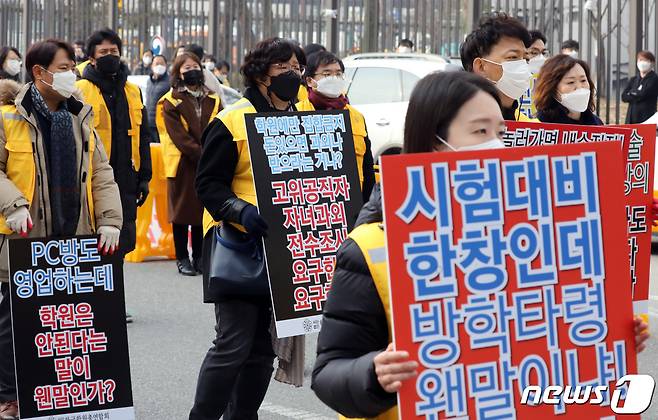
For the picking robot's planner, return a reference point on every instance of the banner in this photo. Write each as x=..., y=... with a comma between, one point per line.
x=638, y=189
x=308, y=190
x=638, y=147
x=70, y=340
x=503, y=277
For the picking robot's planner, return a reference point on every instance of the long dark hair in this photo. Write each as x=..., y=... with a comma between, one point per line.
x=434, y=103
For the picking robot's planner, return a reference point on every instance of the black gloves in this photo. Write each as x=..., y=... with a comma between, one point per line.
x=142, y=192
x=252, y=221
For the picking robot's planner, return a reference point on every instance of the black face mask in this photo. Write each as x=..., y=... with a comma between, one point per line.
x=285, y=86
x=193, y=77
x=108, y=64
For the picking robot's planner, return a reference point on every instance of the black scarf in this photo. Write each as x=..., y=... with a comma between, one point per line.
x=62, y=165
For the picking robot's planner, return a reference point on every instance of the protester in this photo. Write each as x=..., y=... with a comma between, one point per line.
x=496, y=50
x=144, y=66
x=156, y=87
x=79, y=48
x=121, y=122
x=325, y=76
x=186, y=109
x=405, y=46
x=210, y=81
x=570, y=48
x=210, y=63
x=358, y=372
x=222, y=71
x=536, y=54
x=10, y=64
x=311, y=49
x=236, y=371
x=72, y=198
x=642, y=90
x=564, y=92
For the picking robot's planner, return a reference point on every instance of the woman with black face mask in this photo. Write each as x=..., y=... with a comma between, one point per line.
x=236, y=371
x=181, y=116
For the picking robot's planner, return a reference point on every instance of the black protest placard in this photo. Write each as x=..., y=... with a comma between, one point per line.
x=70, y=338
x=308, y=189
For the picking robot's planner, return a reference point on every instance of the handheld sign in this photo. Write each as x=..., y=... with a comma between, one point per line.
x=508, y=270
x=637, y=152
x=308, y=190
x=70, y=340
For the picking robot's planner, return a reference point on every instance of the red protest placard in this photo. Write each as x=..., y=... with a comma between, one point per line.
x=638, y=146
x=502, y=276
x=638, y=188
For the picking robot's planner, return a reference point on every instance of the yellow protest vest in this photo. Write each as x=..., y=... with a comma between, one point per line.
x=81, y=67
x=21, y=167
x=243, y=180
x=520, y=116
x=170, y=153
x=372, y=243
x=103, y=122
x=358, y=132
x=302, y=93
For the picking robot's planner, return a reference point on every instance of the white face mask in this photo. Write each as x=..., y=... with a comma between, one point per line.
x=576, y=101
x=535, y=63
x=573, y=54
x=209, y=65
x=643, y=65
x=331, y=87
x=13, y=67
x=159, y=70
x=147, y=60
x=487, y=145
x=515, y=80
x=404, y=50
x=63, y=83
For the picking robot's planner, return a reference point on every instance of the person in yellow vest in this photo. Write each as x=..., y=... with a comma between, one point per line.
x=122, y=125
x=185, y=112
x=325, y=77
x=236, y=371
x=358, y=371
x=55, y=178
x=496, y=50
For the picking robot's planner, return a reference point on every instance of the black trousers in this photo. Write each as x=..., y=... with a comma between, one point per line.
x=180, y=241
x=7, y=369
x=236, y=371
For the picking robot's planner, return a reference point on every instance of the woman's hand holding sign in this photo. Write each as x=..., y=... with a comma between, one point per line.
x=392, y=367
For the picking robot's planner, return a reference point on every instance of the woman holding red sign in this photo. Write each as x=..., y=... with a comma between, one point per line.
x=358, y=372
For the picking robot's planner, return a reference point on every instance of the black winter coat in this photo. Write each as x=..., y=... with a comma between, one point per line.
x=155, y=89
x=354, y=331
x=641, y=94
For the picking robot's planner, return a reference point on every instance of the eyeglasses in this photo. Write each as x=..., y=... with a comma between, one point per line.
x=288, y=67
x=339, y=74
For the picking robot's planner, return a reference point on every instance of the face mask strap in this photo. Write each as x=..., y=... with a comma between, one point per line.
x=445, y=142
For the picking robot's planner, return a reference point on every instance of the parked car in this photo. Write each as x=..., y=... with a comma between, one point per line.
x=380, y=85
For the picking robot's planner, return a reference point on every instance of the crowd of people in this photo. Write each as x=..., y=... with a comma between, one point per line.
x=73, y=91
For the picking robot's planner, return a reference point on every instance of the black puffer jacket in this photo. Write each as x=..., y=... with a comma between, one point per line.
x=354, y=331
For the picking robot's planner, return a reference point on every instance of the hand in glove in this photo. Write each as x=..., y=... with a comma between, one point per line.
x=252, y=221
x=142, y=193
x=109, y=240
x=20, y=221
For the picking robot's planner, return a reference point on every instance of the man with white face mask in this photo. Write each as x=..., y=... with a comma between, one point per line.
x=571, y=48
x=642, y=90
x=496, y=50
x=325, y=78
x=76, y=193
